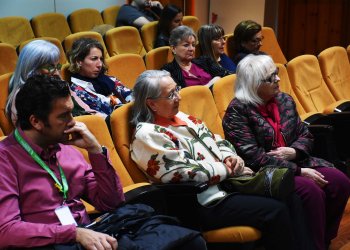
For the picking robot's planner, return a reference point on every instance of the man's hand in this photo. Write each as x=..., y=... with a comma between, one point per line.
x=284, y=153
x=314, y=175
x=92, y=240
x=83, y=138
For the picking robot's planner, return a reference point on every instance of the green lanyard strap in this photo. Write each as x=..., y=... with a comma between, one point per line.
x=63, y=188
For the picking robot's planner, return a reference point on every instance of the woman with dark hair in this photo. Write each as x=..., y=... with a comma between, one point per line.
x=170, y=18
x=100, y=92
x=247, y=39
x=212, y=43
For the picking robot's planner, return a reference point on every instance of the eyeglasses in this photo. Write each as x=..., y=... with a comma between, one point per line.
x=272, y=78
x=52, y=68
x=172, y=95
x=257, y=40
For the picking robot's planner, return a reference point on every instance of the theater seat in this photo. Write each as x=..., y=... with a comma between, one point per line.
x=110, y=14
x=223, y=93
x=14, y=30
x=192, y=22
x=126, y=67
x=69, y=40
x=156, y=58
x=335, y=68
x=121, y=135
x=198, y=101
x=51, y=25
x=8, y=58
x=271, y=47
x=84, y=19
x=124, y=40
x=5, y=123
x=149, y=34
x=311, y=90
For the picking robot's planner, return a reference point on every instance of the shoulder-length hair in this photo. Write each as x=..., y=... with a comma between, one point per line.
x=251, y=71
x=32, y=57
x=81, y=49
x=147, y=86
x=168, y=14
x=244, y=32
x=206, y=34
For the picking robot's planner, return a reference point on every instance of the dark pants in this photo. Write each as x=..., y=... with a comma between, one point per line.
x=324, y=206
x=270, y=216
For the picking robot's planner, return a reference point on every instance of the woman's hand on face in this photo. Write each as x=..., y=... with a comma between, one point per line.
x=314, y=175
x=284, y=153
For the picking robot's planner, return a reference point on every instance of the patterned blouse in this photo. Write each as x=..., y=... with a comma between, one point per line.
x=180, y=152
x=86, y=92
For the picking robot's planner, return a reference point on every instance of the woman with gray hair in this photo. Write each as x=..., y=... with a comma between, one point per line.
x=185, y=69
x=38, y=57
x=264, y=126
x=167, y=148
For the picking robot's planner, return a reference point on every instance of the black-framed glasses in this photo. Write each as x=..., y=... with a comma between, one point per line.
x=52, y=68
x=172, y=95
x=273, y=77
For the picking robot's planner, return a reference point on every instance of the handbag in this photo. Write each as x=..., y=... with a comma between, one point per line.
x=269, y=181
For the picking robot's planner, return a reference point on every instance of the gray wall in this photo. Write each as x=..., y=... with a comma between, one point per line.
x=31, y=8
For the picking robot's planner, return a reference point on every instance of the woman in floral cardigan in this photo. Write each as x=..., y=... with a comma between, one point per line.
x=170, y=146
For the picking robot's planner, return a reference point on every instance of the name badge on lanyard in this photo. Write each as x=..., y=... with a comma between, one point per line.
x=65, y=216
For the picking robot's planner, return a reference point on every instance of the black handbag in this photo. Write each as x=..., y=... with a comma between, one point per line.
x=269, y=181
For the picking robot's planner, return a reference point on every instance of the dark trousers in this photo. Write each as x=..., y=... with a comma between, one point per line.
x=270, y=216
x=324, y=206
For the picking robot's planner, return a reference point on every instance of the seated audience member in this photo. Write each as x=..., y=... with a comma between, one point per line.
x=138, y=13
x=187, y=70
x=170, y=18
x=100, y=92
x=43, y=178
x=38, y=57
x=247, y=39
x=264, y=126
x=212, y=44
x=166, y=148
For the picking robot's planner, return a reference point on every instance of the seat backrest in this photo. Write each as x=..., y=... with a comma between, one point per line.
x=5, y=123
x=51, y=25
x=286, y=87
x=8, y=58
x=192, y=22
x=126, y=67
x=2, y=135
x=53, y=40
x=98, y=128
x=124, y=40
x=335, y=68
x=229, y=45
x=271, y=46
x=223, y=93
x=348, y=51
x=84, y=19
x=306, y=79
x=69, y=40
x=14, y=30
x=148, y=34
x=65, y=73
x=110, y=14
x=199, y=102
x=156, y=58
x=121, y=135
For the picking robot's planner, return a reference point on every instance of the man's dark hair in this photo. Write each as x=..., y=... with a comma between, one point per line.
x=36, y=97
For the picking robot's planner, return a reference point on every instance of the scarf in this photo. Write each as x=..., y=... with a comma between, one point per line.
x=271, y=114
x=102, y=84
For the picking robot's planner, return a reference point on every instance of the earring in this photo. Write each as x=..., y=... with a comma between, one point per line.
x=174, y=52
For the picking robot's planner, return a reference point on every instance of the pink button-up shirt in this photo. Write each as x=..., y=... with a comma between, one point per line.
x=28, y=196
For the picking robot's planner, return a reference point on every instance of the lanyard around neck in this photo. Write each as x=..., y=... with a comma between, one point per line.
x=63, y=188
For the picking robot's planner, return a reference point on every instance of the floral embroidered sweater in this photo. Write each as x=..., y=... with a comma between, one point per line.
x=174, y=153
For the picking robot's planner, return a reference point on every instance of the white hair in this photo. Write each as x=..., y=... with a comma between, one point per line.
x=251, y=71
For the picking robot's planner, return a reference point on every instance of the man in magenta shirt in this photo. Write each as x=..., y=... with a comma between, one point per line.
x=43, y=178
